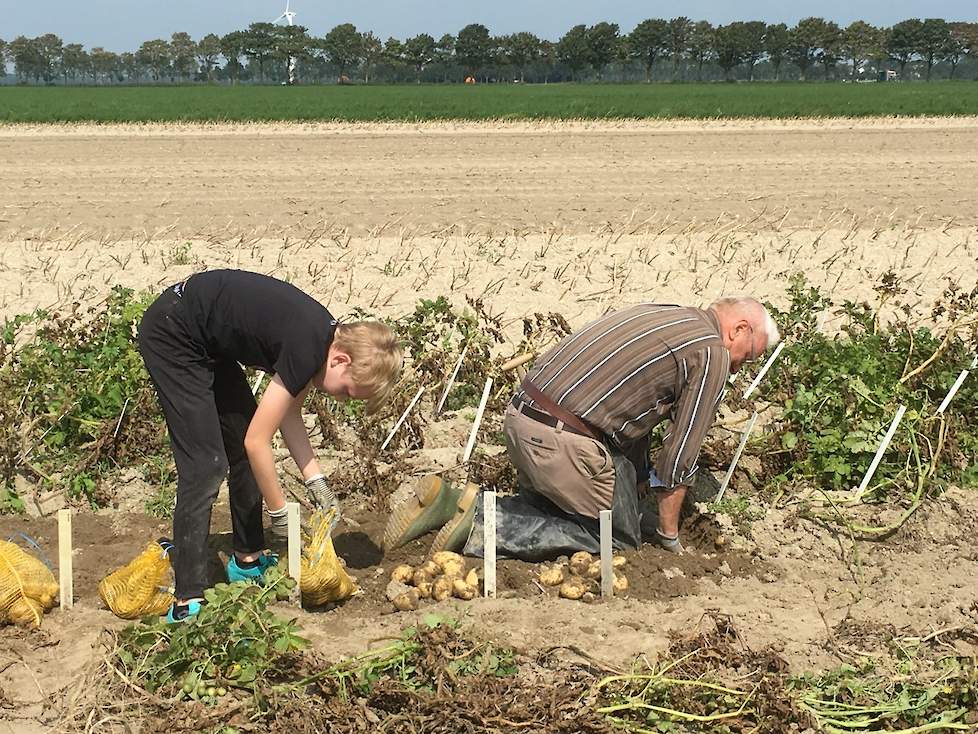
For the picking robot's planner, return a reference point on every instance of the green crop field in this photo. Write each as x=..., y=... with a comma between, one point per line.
x=485, y=102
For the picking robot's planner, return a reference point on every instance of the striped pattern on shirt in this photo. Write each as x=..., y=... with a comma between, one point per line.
x=632, y=369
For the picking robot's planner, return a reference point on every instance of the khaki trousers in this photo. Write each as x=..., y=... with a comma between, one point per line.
x=574, y=472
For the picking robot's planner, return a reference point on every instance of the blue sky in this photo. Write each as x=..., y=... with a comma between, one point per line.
x=121, y=25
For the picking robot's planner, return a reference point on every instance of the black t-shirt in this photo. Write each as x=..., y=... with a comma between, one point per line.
x=260, y=322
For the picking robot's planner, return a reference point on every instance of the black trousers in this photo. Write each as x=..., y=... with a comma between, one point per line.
x=208, y=406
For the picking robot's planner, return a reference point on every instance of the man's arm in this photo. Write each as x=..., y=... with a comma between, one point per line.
x=705, y=374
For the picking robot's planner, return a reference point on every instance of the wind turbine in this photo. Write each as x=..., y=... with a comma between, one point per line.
x=289, y=17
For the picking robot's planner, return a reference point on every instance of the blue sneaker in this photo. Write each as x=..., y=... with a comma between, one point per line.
x=250, y=572
x=182, y=612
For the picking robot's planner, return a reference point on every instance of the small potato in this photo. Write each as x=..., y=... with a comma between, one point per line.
x=462, y=590
x=443, y=557
x=588, y=597
x=720, y=541
x=552, y=576
x=395, y=589
x=472, y=579
x=619, y=562
x=407, y=602
x=421, y=577
x=402, y=573
x=580, y=561
x=620, y=583
x=453, y=568
x=425, y=589
x=442, y=588
x=432, y=569
x=572, y=589
x=593, y=571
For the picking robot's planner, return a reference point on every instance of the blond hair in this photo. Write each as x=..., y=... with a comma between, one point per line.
x=375, y=358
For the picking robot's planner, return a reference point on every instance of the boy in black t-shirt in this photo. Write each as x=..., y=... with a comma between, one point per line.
x=193, y=339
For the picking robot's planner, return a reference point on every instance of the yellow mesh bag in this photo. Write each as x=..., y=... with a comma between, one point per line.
x=142, y=587
x=323, y=578
x=27, y=587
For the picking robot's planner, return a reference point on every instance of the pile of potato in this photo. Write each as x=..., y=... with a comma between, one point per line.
x=581, y=577
x=439, y=578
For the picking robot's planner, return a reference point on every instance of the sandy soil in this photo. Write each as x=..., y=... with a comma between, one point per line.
x=480, y=178
x=575, y=218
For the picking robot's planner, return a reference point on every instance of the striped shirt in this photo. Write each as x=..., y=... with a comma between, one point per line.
x=632, y=369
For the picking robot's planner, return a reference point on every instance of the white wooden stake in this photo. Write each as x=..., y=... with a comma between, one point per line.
x=451, y=380
x=295, y=542
x=607, y=569
x=65, y=576
x=401, y=419
x=764, y=369
x=736, y=456
x=489, y=544
x=879, y=453
x=261, y=376
x=478, y=419
x=953, y=391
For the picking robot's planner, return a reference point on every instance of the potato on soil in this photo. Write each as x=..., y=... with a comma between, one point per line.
x=425, y=589
x=453, y=568
x=407, y=602
x=448, y=559
x=620, y=583
x=619, y=562
x=588, y=597
x=552, y=576
x=395, y=589
x=594, y=570
x=580, y=561
x=402, y=573
x=421, y=577
x=432, y=569
x=442, y=588
x=462, y=590
x=472, y=579
x=573, y=588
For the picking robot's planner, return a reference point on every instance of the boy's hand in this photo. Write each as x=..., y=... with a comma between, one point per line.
x=322, y=495
x=279, y=526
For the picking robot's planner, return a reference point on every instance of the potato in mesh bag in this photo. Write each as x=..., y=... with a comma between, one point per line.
x=142, y=587
x=27, y=586
x=323, y=579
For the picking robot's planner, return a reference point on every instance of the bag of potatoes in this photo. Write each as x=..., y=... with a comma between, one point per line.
x=27, y=587
x=323, y=579
x=142, y=587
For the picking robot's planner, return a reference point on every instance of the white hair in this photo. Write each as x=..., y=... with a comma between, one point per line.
x=755, y=312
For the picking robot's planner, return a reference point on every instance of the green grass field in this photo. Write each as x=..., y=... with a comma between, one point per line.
x=485, y=102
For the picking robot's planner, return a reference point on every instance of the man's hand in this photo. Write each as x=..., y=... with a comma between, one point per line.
x=671, y=544
x=279, y=526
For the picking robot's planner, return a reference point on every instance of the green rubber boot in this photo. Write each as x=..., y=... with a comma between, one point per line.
x=433, y=503
x=456, y=531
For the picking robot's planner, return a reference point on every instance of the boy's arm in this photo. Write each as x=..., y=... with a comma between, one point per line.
x=276, y=404
x=297, y=438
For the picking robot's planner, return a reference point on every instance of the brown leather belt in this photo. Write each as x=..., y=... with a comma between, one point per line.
x=554, y=413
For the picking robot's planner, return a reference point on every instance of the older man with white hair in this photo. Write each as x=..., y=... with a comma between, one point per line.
x=579, y=428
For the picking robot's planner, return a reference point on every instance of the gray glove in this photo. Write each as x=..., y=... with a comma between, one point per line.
x=321, y=494
x=673, y=545
x=279, y=526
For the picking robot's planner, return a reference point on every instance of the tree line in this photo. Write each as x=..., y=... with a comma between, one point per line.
x=678, y=49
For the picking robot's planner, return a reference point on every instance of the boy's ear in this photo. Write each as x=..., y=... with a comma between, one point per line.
x=338, y=358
